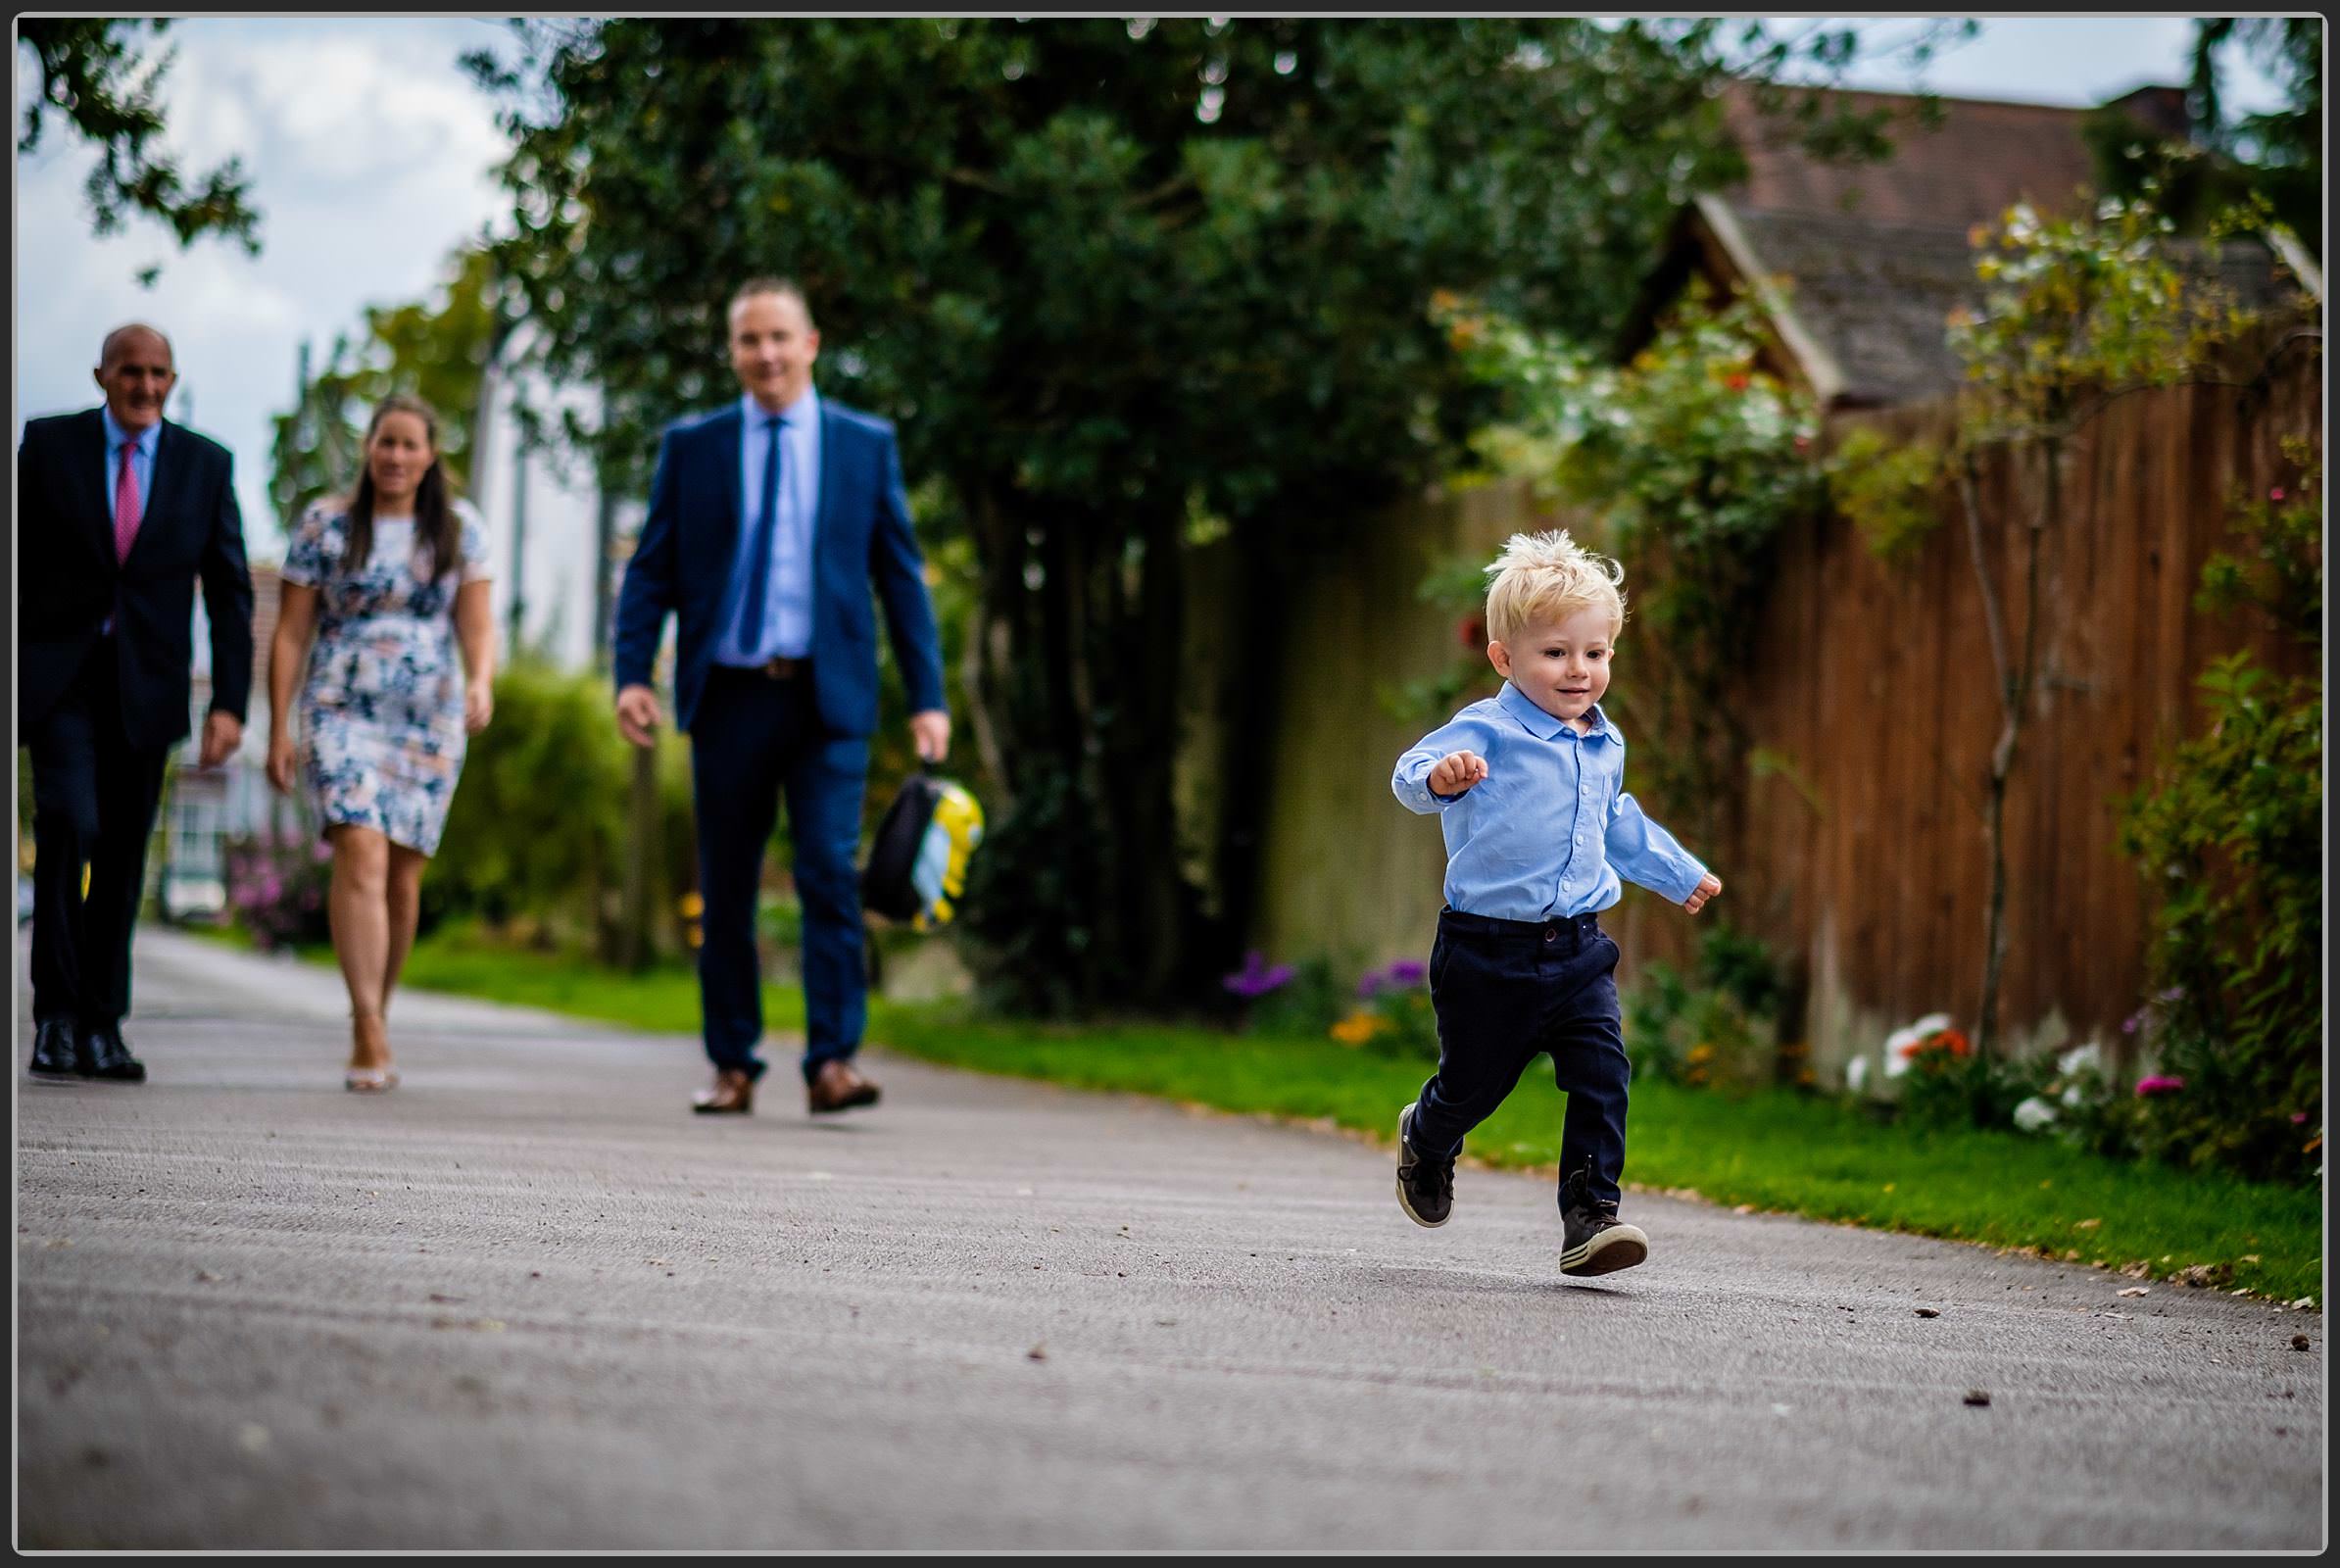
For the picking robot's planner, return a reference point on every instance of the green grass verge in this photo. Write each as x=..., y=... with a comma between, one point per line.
x=1773, y=1151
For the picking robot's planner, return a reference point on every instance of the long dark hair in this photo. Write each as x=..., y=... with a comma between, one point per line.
x=435, y=523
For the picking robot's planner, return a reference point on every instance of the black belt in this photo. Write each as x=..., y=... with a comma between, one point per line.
x=773, y=669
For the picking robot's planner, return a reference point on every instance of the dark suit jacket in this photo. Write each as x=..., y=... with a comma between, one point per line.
x=67, y=581
x=861, y=537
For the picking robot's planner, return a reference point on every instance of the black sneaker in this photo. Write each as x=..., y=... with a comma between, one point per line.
x=1425, y=1182
x=1592, y=1240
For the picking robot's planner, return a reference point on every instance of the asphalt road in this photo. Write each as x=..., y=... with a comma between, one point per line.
x=527, y=1301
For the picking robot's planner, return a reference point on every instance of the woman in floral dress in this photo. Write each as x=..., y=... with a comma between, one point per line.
x=388, y=584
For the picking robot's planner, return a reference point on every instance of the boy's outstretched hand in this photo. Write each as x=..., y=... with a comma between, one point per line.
x=1457, y=773
x=1708, y=886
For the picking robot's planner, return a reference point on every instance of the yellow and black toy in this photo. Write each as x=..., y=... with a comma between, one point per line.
x=918, y=862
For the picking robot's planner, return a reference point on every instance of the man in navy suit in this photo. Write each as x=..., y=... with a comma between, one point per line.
x=769, y=522
x=120, y=512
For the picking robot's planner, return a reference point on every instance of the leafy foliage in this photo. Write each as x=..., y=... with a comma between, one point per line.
x=1887, y=490
x=2230, y=841
x=437, y=350
x=92, y=72
x=1717, y=1025
x=538, y=827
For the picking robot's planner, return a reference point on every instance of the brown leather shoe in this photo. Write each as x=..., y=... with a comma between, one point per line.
x=734, y=1094
x=837, y=1087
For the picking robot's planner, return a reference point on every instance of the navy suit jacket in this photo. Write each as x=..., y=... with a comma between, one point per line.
x=67, y=581
x=861, y=538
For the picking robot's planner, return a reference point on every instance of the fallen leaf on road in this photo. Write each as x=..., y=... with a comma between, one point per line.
x=254, y=1438
x=1928, y=1312
x=2299, y=1342
x=483, y=1325
x=203, y=1276
x=436, y=1297
x=1977, y=1397
x=1744, y=1208
x=2303, y=1303
x=1038, y=1352
x=2137, y=1290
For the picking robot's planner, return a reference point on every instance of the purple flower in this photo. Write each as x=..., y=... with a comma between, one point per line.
x=1257, y=977
x=2297, y=1116
x=2171, y=995
x=2128, y=1025
x=1400, y=975
x=2158, y=1083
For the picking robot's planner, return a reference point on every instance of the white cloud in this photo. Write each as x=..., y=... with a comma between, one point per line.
x=369, y=153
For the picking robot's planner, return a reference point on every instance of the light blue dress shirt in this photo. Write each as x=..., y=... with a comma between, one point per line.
x=142, y=459
x=1551, y=830
x=787, y=629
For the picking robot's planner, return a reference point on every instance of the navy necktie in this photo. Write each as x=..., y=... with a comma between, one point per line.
x=759, y=552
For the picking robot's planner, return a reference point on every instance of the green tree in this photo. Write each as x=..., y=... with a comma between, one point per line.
x=1124, y=285
x=437, y=350
x=2226, y=159
x=94, y=74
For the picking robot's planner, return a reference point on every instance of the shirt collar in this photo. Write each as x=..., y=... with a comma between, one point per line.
x=1543, y=725
x=807, y=406
x=117, y=437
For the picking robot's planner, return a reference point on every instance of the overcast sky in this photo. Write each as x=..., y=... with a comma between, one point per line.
x=369, y=154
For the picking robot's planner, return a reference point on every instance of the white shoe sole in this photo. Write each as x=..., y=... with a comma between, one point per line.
x=1403, y=1202
x=1618, y=1246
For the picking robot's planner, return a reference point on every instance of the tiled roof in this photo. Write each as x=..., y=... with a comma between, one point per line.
x=1876, y=256
x=1965, y=168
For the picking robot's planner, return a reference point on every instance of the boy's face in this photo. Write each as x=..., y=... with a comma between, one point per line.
x=1562, y=666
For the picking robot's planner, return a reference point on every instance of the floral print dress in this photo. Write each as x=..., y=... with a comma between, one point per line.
x=382, y=710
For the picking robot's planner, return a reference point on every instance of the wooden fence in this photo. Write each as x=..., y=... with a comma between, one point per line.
x=1856, y=847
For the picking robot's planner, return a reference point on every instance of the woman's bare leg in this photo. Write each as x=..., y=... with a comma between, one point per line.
x=358, y=907
x=406, y=909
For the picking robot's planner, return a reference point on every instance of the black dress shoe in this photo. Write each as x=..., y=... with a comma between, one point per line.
x=104, y=1055
x=56, y=1050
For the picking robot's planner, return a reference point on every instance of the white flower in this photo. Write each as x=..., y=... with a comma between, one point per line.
x=2090, y=1057
x=2033, y=1115
x=1856, y=1073
x=1901, y=1042
x=2072, y=1096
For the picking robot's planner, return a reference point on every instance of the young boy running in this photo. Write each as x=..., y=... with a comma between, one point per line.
x=1529, y=786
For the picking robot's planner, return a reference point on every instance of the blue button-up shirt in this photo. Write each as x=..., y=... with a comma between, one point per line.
x=142, y=458
x=1551, y=830
x=787, y=629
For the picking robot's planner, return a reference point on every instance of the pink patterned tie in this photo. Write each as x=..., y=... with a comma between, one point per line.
x=125, y=506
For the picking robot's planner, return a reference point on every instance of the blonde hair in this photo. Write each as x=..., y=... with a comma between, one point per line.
x=1544, y=577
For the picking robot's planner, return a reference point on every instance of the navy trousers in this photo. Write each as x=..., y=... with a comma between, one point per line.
x=94, y=796
x=752, y=741
x=1505, y=990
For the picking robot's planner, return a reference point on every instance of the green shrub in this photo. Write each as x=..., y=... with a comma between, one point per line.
x=538, y=831
x=2230, y=840
x=1718, y=1025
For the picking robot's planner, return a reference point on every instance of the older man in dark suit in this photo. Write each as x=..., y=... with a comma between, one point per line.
x=119, y=513
x=771, y=522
